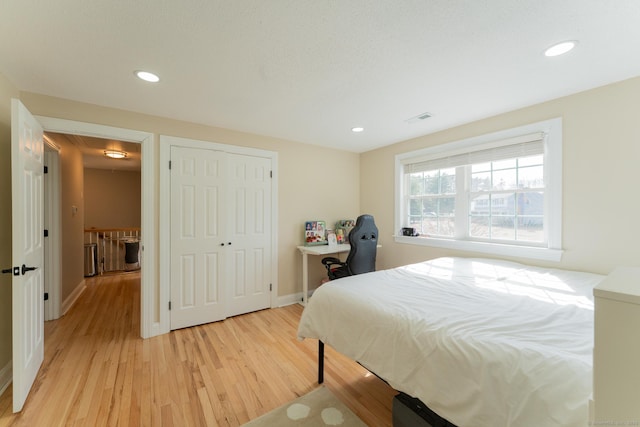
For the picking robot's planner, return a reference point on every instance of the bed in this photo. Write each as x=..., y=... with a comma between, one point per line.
x=483, y=343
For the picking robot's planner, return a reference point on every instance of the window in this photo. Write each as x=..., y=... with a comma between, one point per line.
x=498, y=193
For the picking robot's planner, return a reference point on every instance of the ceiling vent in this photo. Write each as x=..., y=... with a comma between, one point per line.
x=418, y=118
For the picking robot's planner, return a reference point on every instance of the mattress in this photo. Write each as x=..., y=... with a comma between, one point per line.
x=484, y=343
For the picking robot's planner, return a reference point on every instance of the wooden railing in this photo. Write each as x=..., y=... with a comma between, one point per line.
x=110, y=245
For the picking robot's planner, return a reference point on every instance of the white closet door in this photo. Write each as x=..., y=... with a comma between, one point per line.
x=197, y=236
x=250, y=234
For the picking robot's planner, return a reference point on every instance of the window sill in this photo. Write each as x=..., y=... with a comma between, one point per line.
x=528, y=252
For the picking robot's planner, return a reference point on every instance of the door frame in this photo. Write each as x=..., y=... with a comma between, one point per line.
x=148, y=326
x=166, y=142
x=52, y=223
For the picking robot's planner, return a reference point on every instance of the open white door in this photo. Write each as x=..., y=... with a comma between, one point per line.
x=27, y=250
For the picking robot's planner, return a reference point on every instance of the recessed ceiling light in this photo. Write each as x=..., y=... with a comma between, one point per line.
x=560, y=48
x=115, y=154
x=357, y=129
x=147, y=76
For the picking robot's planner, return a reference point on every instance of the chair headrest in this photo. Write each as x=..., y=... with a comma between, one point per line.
x=365, y=229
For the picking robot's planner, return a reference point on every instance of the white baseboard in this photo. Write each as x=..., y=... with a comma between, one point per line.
x=292, y=299
x=289, y=299
x=6, y=376
x=71, y=299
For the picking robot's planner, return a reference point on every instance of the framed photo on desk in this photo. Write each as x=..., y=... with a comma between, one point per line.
x=315, y=233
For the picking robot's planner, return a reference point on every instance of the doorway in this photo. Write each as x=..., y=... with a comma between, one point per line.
x=104, y=195
x=145, y=140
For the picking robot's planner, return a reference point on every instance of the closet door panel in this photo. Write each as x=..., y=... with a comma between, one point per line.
x=249, y=216
x=197, y=255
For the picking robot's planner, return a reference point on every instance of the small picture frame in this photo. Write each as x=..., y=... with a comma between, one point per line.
x=331, y=238
x=315, y=233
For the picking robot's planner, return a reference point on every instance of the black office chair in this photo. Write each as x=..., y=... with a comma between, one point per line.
x=363, y=239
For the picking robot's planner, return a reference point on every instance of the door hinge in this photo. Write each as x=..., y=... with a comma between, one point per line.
x=46, y=296
x=169, y=164
x=270, y=174
x=46, y=169
x=169, y=305
x=46, y=233
x=270, y=287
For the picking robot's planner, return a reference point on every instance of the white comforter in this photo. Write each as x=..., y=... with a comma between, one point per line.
x=483, y=343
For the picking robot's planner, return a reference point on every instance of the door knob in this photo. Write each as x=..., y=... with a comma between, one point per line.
x=14, y=270
x=25, y=269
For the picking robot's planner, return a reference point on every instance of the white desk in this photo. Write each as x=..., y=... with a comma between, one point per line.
x=316, y=250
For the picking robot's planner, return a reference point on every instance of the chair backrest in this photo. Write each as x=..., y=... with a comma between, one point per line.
x=363, y=239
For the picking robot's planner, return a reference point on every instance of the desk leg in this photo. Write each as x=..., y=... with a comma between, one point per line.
x=305, y=278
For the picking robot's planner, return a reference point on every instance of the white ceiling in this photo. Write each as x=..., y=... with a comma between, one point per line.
x=310, y=70
x=93, y=149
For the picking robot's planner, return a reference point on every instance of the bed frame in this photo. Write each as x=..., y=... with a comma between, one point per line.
x=320, y=362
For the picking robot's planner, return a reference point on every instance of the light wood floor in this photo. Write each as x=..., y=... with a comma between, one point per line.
x=98, y=371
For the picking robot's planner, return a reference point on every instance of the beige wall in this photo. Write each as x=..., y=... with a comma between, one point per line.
x=601, y=153
x=7, y=91
x=313, y=182
x=111, y=199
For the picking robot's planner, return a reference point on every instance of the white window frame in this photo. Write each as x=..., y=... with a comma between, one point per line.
x=553, y=192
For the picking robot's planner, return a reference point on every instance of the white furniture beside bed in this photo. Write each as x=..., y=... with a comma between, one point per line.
x=316, y=250
x=484, y=343
x=616, y=357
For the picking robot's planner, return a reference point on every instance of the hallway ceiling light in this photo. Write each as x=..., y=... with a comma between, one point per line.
x=115, y=154
x=357, y=129
x=147, y=76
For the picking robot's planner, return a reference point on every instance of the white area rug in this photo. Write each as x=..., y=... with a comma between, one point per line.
x=318, y=408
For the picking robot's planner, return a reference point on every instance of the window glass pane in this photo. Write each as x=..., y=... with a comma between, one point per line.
x=480, y=181
x=448, y=181
x=414, y=207
x=479, y=226
x=504, y=179
x=502, y=228
x=446, y=226
x=531, y=203
x=531, y=177
x=430, y=226
x=480, y=205
x=530, y=229
x=446, y=206
x=416, y=185
x=503, y=204
x=432, y=185
x=430, y=207
x=446, y=216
